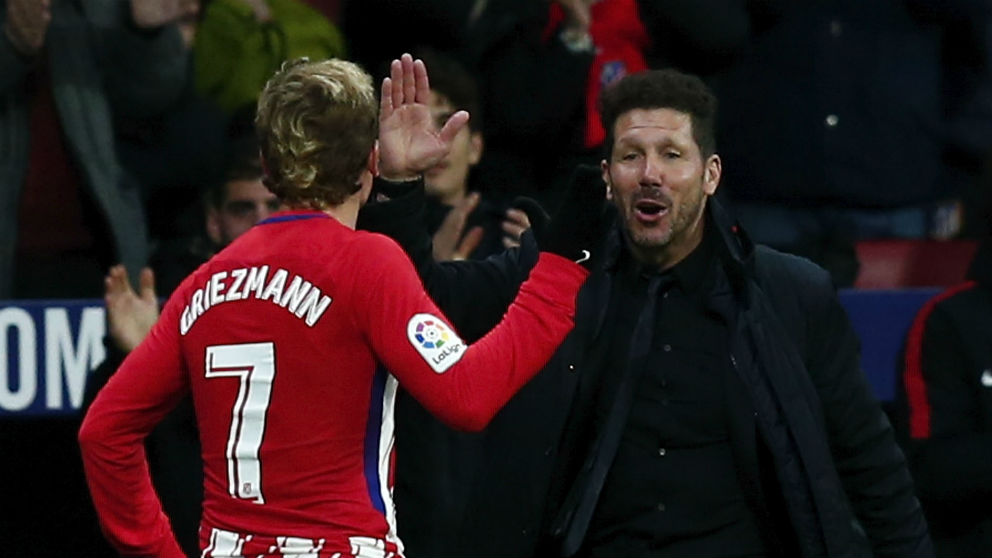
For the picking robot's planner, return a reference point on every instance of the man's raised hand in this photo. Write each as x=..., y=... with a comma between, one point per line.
x=409, y=144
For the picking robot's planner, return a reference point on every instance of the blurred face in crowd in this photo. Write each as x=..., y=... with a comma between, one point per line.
x=659, y=181
x=448, y=180
x=248, y=201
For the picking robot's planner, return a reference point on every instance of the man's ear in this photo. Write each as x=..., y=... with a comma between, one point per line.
x=373, y=163
x=711, y=174
x=371, y=171
x=213, y=224
x=606, y=178
x=477, y=145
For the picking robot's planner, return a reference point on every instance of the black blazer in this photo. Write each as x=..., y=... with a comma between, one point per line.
x=815, y=452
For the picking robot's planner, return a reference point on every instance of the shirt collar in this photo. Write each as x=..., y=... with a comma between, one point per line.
x=689, y=274
x=293, y=215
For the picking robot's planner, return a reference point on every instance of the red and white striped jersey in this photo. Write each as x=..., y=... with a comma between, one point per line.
x=280, y=338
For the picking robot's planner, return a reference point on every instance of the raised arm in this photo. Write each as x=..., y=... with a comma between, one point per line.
x=464, y=384
x=475, y=294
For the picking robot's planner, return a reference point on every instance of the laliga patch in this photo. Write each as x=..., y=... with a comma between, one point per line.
x=435, y=341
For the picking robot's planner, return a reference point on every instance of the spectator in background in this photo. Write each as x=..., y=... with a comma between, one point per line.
x=453, y=206
x=613, y=29
x=946, y=404
x=176, y=152
x=67, y=70
x=233, y=206
x=533, y=74
x=240, y=43
x=531, y=81
x=66, y=74
x=541, y=68
x=845, y=120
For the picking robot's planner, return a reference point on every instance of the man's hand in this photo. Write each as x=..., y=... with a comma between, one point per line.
x=579, y=226
x=148, y=14
x=448, y=242
x=130, y=316
x=515, y=222
x=578, y=14
x=26, y=24
x=408, y=142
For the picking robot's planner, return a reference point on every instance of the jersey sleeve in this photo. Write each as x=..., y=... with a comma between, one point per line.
x=149, y=383
x=464, y=385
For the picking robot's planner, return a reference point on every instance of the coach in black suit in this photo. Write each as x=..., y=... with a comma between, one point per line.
x=710, y=401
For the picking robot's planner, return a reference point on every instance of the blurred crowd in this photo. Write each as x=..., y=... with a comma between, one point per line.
x=126, y=142
x=840, y=120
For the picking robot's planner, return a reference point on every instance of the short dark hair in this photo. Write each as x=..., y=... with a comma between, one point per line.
x=448, y=77
x=655, y=89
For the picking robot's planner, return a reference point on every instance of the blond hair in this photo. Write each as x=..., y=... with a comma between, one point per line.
x=317, y=123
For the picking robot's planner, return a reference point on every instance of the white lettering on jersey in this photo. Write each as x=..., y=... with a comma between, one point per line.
x=436, y=342
x=256, y=281
x=238, y=276
x=196, y=306
x=216, y=296
x=302, y=298
x=292, y=296
x=276, y=284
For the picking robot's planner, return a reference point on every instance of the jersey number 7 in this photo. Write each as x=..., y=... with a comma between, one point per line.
x=254, y=364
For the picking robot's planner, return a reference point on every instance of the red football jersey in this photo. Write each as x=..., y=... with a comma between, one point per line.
x=279, y=338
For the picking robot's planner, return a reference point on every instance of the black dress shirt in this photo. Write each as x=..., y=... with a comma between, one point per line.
x=672, y=489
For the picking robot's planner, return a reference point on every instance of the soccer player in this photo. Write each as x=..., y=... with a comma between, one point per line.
x=278, y=336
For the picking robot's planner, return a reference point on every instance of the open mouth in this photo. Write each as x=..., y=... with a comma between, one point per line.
x=650, y=210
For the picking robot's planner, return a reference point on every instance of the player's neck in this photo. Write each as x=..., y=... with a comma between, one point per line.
x=346, y=213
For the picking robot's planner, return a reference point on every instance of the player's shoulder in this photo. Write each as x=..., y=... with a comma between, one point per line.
x=376, y=240
x=380, y=244
x=334, y=237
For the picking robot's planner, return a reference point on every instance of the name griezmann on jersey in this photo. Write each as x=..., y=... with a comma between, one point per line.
x=301, y=297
